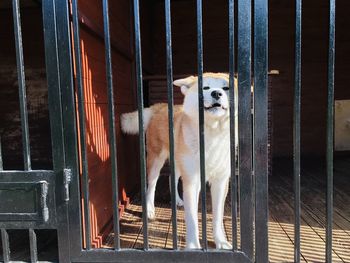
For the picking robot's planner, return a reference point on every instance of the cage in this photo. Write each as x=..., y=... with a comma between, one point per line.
x=85, y=128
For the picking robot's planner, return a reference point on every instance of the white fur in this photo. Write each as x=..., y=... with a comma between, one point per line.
x=130, y=121
x=217, y=155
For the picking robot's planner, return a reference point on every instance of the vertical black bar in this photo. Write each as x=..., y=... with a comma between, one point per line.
x=261, y=129
x=201, y=121
x=233, y=99
x=245, y=126
x=33, y=246
x=56, y=123
x=5, y=246
x=171, y=118
x=71, y=212
x=330, y=130
x=1, y=163
x=296, y=129
x=140, y=116
x=111, y=112
x=82, y=126
x=21, y=84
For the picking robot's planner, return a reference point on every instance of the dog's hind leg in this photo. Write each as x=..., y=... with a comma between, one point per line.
x=179, y=201
x=155, y=162
x=191, y=189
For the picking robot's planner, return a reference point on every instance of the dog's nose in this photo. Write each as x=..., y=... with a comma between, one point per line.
x=216, y=94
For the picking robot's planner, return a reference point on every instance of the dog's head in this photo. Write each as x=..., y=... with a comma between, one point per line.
x=215, y=95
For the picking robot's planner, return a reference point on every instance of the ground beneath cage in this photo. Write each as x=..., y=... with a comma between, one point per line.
x=281, y=215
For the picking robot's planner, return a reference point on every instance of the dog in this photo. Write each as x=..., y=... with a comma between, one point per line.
x=186, y=137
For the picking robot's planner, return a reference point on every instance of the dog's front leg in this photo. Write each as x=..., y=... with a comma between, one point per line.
x=219, y=190
x=191, y=194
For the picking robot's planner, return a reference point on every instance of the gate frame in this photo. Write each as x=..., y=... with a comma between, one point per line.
x=70, y=235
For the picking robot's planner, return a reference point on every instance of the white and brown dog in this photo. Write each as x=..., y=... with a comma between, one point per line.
x=186, y=136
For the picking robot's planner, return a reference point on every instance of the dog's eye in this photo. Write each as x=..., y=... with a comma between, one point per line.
x=206, y=87
x=225, y=88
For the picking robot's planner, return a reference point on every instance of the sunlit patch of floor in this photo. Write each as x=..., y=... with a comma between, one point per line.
x=281, y=221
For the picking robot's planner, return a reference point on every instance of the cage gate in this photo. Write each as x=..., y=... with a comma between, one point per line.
x=81, y=249
x=59, y=198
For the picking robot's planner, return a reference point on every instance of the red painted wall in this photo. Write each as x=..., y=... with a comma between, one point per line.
x=96, y=110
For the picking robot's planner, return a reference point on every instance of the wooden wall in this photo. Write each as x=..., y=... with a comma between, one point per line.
x=96, y=108
x=314, y=71
x=281, y=57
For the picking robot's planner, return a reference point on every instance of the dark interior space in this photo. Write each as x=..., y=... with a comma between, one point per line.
x=215, y=29
x=35, y=76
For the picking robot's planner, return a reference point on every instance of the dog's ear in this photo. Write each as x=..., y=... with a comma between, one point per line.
x=185, y=83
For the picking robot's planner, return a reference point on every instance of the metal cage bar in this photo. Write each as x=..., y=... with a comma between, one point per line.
x=138, y=60
x=33, y=246
x=232, y=94
x=111, y=119
x=201, y=121
x=53, y=73
x=82, y=126
x=171, y=119
x=69, y=121
x=1, y=161
x=296, y=129
x=245, y=127
x=6, y=253
x=330, y=130
x=261, y=129
x=21, y=84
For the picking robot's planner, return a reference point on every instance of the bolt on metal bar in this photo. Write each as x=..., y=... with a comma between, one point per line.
x=296, y=130
x=233, y=127
x=21, y=84
x=261, y=129
x=112, y=136
x=5, y=246
x=171, y=120
x=245, y=127
x=33, y=246
x=201, y=121
x=138, y=59
x=330, y=130
x=82, y=126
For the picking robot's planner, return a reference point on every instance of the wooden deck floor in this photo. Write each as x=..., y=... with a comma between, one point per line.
x=281, y=219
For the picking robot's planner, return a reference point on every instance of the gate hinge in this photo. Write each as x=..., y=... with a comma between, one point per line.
x=67, y=178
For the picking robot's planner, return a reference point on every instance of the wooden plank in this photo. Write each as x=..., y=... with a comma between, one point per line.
x=312, y=232
x=280, y=244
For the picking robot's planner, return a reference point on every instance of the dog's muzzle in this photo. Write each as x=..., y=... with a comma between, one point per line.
x=215, y=106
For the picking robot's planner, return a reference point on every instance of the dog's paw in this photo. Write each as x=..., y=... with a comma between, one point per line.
x=179, y=202
x=223, y=245
x=151, y=213
x=193, y=245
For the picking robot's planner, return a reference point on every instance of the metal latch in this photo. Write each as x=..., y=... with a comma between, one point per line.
x=67, y=178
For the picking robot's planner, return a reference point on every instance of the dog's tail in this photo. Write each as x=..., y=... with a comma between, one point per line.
x=130, y=121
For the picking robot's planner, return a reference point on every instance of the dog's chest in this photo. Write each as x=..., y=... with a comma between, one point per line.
x=217, y=154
